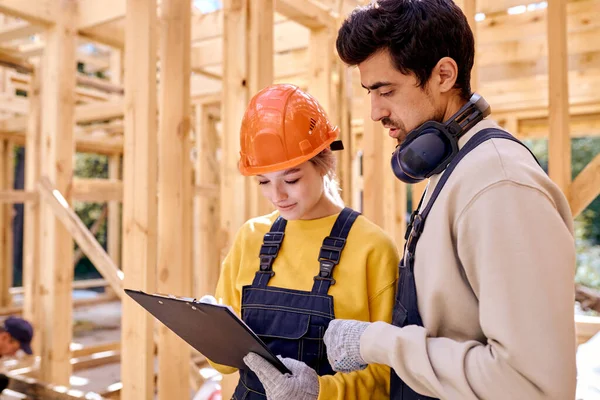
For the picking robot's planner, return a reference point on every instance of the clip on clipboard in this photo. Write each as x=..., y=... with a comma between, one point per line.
x=213, y=330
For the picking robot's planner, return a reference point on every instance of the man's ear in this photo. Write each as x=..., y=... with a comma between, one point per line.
x=447, y=73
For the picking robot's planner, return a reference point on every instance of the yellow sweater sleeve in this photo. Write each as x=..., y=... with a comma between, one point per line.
x=374, y=381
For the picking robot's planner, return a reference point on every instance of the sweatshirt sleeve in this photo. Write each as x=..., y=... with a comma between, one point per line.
x=226, y=292
x=518, y=256
x=372, y=382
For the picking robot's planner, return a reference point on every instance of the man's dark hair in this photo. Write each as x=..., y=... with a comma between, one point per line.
x=417, y=34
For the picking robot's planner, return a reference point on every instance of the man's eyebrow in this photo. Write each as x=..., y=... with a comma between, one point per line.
x=376, y=85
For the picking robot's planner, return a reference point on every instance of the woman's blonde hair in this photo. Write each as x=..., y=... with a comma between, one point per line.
x=326, y=162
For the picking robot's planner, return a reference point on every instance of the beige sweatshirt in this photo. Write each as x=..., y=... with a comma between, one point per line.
x=494, y=275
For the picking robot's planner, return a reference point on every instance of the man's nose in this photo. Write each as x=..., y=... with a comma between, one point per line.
x=378, y=112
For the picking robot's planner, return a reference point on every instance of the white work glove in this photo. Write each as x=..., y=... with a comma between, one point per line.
x=342, y=339
x=303, y=384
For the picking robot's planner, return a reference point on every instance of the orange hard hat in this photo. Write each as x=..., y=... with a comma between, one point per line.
x=282, y=128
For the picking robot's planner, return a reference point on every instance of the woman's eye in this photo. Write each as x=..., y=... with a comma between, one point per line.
x=263, y=182
x=292, y=181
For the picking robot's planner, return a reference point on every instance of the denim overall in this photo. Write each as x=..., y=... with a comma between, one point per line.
x=406, y=310
x=292, y=323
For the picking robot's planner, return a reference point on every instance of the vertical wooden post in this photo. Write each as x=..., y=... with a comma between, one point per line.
x=234, y=196
x=344, y=119
x=32, y=308
x=175, y=204
x=139, y=198
x=260, y=75
x=113, y=225
x=58, y=106
x=207, y=258
x=320, y=67
x=373, y=169
x=559, y=138
x=7, y=174
x=469, y=9
x=235, y=199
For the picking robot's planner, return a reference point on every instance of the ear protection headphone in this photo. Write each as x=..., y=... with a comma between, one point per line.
x=428, y=149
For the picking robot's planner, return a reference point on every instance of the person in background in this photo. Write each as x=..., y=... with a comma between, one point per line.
x=15, y=334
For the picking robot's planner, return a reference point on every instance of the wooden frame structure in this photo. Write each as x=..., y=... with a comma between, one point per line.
x=167, y=113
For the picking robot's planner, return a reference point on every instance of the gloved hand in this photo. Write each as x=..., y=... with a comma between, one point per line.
x=342, y=339
x=303, y=384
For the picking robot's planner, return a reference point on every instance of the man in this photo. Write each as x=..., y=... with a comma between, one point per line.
x=484, y=307
x=15, y=334
x=490, y=280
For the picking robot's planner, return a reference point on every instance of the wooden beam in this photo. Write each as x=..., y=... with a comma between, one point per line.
x=18, y=30
x=32, y=309
x=139, y=200
x=97, y=190
x=92, y=12
x=260, y=75
x=207, y=245
x=44, y=12
x=7, y=174
x=469, y=9
x=80, y=284
x=84, y=239
x=17, y=196
x=175, y=185
x=113, y=226
x=559, y=140
x=373, y=169
x=58, y=103
x=585, y=187
x=579, y=126
x=310, y=13
x=235, y=99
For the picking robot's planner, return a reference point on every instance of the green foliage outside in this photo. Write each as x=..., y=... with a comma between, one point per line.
x=90, y=166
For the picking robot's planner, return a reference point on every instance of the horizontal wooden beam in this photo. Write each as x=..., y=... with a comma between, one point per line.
x=80, y=284
x=309, y=13
x=87, y=301
x=33, y=389
x=586, y=327
x=18, y=30
x=77, y=350
x=97, y=190
x=36, y=11
x=579, y=126
x=93, y=12
x=17, y=196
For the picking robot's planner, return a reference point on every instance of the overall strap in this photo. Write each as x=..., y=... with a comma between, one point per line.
x=331, y=250
x=268, y=251
x=417, y=223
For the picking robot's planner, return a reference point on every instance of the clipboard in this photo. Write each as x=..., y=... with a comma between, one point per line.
x=214, y=330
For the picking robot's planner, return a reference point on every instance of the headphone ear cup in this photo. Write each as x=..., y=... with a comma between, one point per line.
x=422, y=156
x=398, y=171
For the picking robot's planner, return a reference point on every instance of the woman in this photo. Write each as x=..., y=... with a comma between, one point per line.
x=290, y=272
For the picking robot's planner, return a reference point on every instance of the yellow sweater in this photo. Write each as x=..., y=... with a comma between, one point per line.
x=364, y=289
